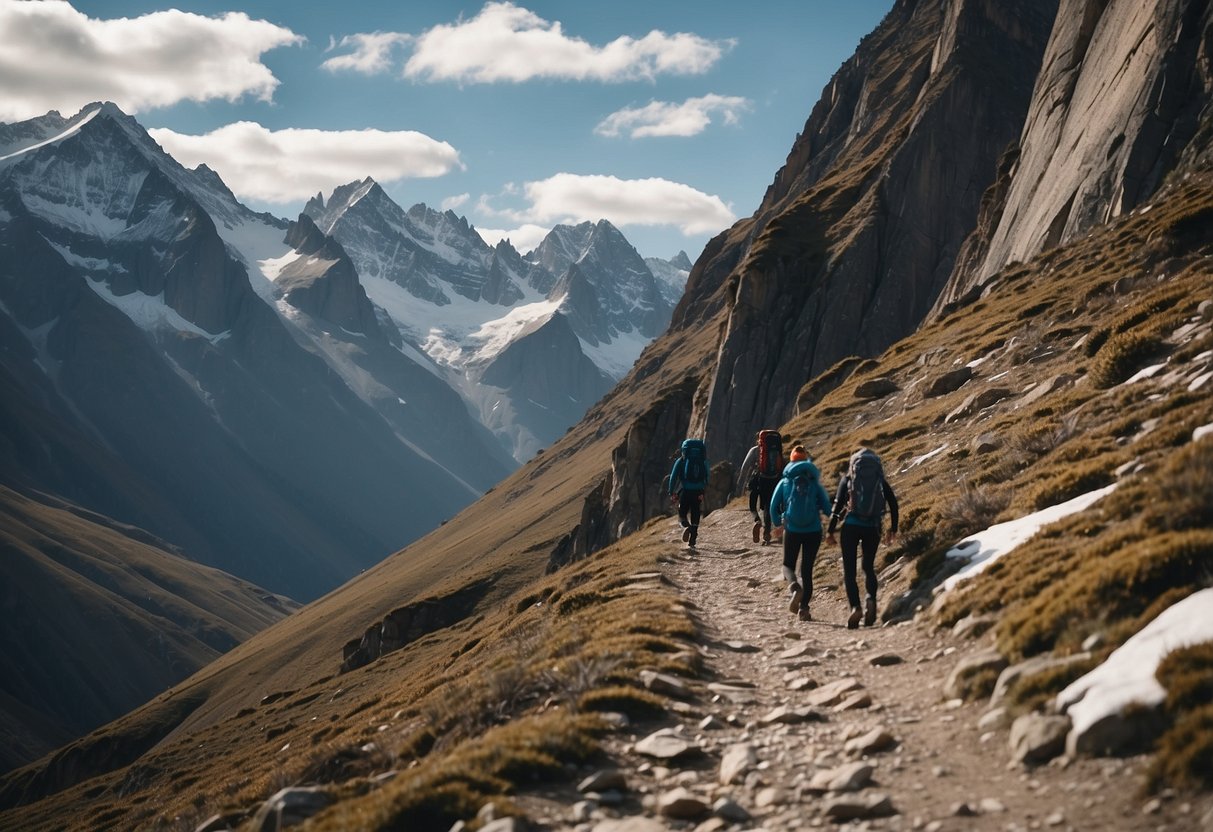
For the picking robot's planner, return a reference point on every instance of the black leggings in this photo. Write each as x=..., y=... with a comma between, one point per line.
x=851, y=538
x=793, y=542
x=760, y=495
x=690, y=503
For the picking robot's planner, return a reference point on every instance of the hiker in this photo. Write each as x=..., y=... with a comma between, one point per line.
x=863, y=494
x=797, y=506
x=763, y=467
x=688, y=479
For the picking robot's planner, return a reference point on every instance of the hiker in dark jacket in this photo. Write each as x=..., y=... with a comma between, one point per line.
x=689, y=492
x=800, y=515
x=861, y=527
x=762, y=483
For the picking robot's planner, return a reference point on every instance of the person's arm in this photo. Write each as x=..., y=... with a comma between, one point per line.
x=840, y=503
x=823, y=500
x=891, y=500
x=747, y=467
x=675, y=475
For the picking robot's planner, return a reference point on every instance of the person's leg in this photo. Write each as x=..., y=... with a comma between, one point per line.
x=791, y=549
x=869, y=543
x=811, y=543
x=696, y=505
x=766, y=492
x=848, y=540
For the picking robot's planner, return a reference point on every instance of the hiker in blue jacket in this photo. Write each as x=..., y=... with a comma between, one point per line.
x=797, y=506
x=863, y=495
x=688, y=479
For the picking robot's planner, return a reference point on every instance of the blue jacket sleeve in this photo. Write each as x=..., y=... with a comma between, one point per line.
x=823, y=500
x=675, y=474
x=778, y=504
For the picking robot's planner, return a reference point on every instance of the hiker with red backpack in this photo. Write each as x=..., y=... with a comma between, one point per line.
x=797, y=506
x=863, y=494
x=763, y=466
x=688, y=479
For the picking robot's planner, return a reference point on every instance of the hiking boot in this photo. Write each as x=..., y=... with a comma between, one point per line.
x=796, y=594
x=853, y=621
x=804, y=614
x=691, y=542
x=766, y=537
x=757, y=529
x=869, y=612
x=686, y=534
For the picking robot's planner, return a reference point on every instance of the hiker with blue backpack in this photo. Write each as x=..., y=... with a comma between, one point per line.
x=761, y=470
x=797, y=505
x=863, y=494
x=688, y=479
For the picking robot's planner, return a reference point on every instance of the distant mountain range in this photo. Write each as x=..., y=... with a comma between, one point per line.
x=287, y=401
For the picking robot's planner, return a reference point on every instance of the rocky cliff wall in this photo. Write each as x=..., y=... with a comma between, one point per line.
x=1122, y=93
x=859, y=232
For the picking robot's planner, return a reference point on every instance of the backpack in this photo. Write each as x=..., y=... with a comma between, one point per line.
x=695, y=464
x=770, y=454
x=802, y=496
x=866, y=499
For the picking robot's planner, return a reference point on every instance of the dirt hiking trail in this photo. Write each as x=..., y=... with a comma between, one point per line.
x=799, y=725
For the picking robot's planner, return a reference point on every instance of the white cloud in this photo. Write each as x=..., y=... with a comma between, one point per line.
x=371, y=55
x=505, y=42
x=54, y=57
x=524, y=238
x=293, y=164
x=453, y=202
x=665, y=118
x=573, y=198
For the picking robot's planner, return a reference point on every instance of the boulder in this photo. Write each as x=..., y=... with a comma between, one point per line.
x=959, y=684
x=1034, y=666
x=737, y=761
x=1038, y=738
x=663, y=745
x=876, y=388
x=681, y=804
x=665, y=684
x=949, y=382
x=850, y=777
x=601, y=781
x=859, y=807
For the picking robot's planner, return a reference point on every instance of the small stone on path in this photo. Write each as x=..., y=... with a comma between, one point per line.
x=736, y=762
x=834, y=692
x=600, y=781
x=885, y=660
x=662, y=745
x=681, y=804
x=850, y=777
x=876, y=740
x=859, y=807
x=730, y=810
x=664, y=684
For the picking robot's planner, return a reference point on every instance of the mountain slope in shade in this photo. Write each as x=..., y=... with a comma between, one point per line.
x=100, y=617
x=143, y=333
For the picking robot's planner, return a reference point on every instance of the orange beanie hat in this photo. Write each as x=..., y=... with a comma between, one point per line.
x=799, y=453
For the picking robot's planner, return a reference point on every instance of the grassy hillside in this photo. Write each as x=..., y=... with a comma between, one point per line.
x=122, y=618
x=1014, y=401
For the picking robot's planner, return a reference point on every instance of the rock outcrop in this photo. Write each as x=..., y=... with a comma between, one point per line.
x=857, y=235
x=1121, y=99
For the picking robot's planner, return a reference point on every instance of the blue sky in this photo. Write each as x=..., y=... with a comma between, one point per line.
x=668, y=118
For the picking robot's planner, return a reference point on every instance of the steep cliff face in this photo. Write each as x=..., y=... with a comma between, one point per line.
x=1122, y=93
x=858, y=233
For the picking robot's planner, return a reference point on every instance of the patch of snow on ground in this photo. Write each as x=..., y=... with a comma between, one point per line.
x=152, y=314
x=928, y=455
x=977, y=362
x=91, y=264
x=1147, y=372
x=1200, y=381
x=1201, y=432
x=985, y=547
x=1127, y=676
